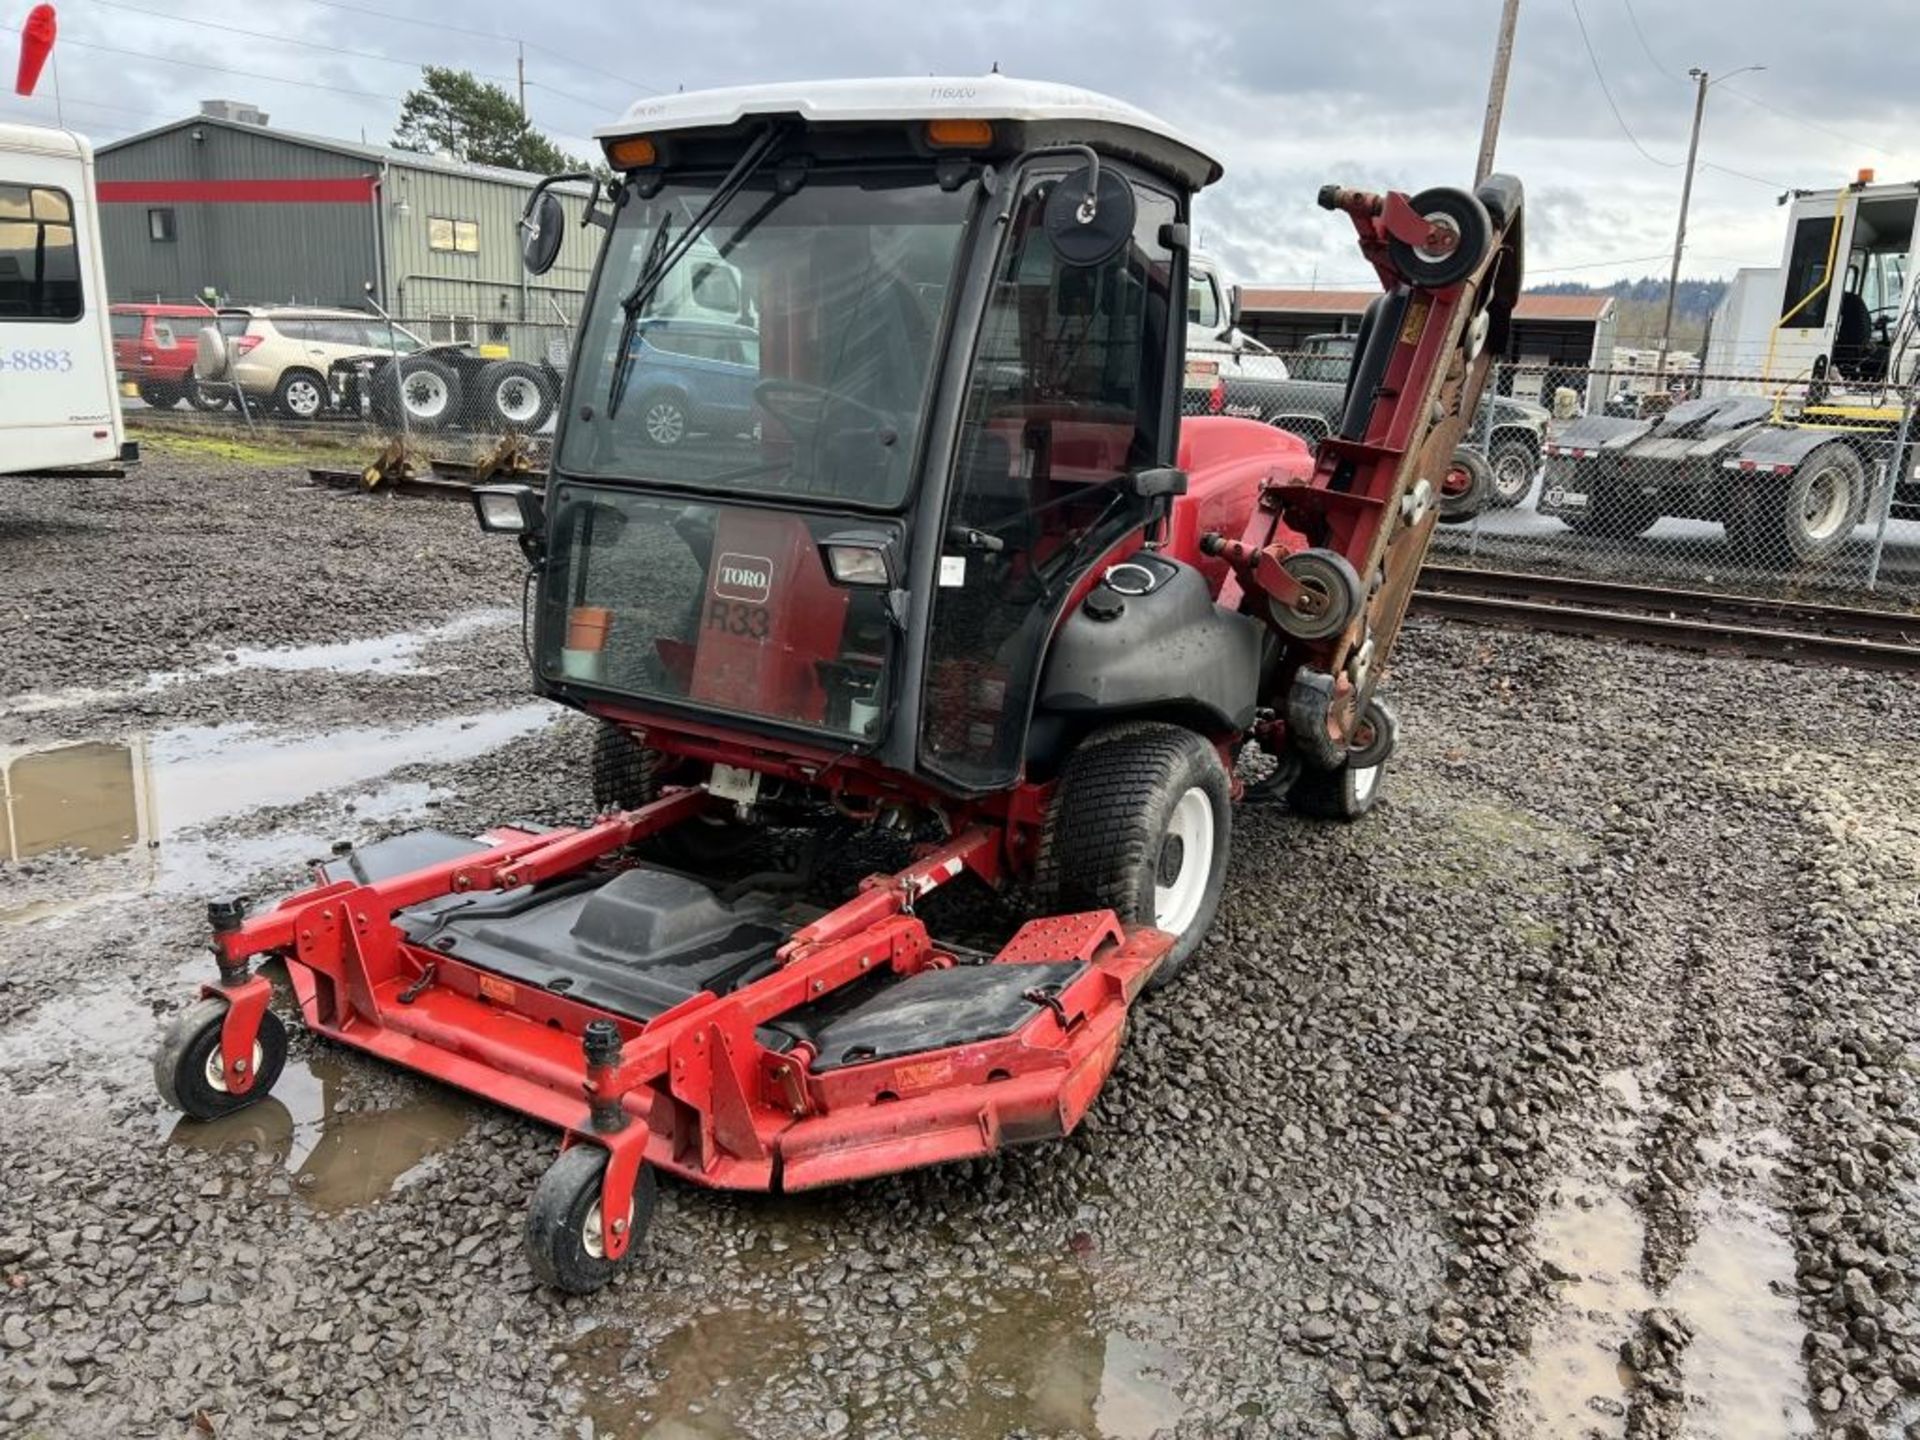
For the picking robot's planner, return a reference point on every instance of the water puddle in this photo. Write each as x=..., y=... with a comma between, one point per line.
x=339, y=1156
x=400, y=653
x=1032, y=1358
x=148, y=805
x=1741, y=1372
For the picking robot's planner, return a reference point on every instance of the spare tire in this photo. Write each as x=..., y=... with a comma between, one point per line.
x=418, y=391
x=1467, y=488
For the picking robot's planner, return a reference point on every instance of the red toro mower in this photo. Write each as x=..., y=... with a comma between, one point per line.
x=931, y=549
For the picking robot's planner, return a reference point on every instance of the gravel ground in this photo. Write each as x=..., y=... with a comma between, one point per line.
x=1571, y=1093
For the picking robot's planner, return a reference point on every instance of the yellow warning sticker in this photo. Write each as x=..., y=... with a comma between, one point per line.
x=1416, y=321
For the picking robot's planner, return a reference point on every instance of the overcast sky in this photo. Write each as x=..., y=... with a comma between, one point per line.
x=1287, y=93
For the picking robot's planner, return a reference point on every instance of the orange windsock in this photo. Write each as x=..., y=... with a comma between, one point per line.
x=36, y=44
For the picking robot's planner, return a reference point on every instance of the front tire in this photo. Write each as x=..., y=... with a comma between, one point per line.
x=159, y=397
x=1512, y=464
x=1140, y=824
x=1344, y=794
x=186, y=1067
x=563, y=1240
x=627, y=775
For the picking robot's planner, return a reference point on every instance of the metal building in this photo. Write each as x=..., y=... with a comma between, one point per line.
x=223, y=204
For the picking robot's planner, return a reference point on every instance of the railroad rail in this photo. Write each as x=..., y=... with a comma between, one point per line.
x=1690, y=619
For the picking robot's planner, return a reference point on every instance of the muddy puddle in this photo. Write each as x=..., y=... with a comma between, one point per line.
x=338, y=1154
x=400, y=653
x=1024, y=1358
x=148, y=809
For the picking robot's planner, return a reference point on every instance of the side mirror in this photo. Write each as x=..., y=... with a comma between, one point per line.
x=1233, y=307
x=542, y=227
x=1162, y=483
x=716, y=288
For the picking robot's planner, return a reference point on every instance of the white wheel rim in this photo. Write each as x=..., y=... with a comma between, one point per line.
x=666, y=423
x=303, y=398
x=1824, y=511
x=217, y=1072
x=426, y=396
x=1364, y=781
x=1184, y=864
x=1439, y=221
x=517, y=399
x=591, y=1239
x=1513, y=474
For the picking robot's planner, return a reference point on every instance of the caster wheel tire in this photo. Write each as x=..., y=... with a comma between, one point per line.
x=564, y=1244
x=1139, y=825
x=1343, y=794
x=186, y=1068
x=1333, y=595
x=1447, y=209
x=1374, y=737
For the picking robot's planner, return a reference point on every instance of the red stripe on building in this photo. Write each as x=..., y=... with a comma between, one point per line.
x=356, y=190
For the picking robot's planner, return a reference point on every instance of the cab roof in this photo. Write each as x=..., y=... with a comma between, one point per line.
x=1036, y=112
x=43, y=140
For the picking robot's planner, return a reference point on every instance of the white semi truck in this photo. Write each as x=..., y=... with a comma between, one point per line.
x=59, y=397
x=1793, y=464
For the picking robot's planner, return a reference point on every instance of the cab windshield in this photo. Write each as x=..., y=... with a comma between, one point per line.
x=787, y=353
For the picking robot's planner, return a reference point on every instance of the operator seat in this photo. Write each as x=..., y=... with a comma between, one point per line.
x=1853, y=338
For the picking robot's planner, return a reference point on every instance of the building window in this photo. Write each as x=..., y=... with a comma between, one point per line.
x=451, y=329
x=460, y=237
x=160, y=226
x=39, y=261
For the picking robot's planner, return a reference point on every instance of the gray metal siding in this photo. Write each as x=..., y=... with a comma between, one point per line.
x=319, y=253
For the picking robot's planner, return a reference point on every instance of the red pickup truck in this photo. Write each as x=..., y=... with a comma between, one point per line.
x=153, y=348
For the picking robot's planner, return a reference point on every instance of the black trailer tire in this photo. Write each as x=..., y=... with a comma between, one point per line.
x=301, y=395
x=514, y=395
x=427, y=388
x=159, y=396
x=1136, y=809
x=1512, y=464
x=564, y=1246
x=1467, y=218
x=186, y=1067
x=1805, y=518
x=1467, y=488
x=1344, y=794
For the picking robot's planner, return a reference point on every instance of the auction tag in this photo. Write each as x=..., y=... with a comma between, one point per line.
x=730, y=782
x=953, y=572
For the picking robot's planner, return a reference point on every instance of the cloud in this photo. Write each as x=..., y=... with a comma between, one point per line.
x=1287, y=93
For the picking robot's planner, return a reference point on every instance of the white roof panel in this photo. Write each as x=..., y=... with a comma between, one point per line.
x=933, y=97
x=42, y=140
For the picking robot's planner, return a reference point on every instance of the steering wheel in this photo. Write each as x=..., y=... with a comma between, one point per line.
x=801, y=406
x=1883, y=321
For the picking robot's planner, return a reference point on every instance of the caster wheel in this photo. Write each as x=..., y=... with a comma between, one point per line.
x=1308, y=703
x=563, y=1241
x=1333, y=595
x=1343, y=794
x=186, y=1068
x=1374, y=737
x=1449, y=210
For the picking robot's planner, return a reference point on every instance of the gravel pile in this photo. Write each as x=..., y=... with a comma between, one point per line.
x=1587, y=1051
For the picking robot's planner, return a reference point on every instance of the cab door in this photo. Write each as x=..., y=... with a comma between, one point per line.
x=1819, y=240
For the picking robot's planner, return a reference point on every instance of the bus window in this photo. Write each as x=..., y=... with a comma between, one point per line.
x=39, y=260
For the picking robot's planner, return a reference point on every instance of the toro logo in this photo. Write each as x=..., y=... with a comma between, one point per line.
x=743, y=577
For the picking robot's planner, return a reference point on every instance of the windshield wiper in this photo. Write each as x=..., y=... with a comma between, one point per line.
x=660, y=262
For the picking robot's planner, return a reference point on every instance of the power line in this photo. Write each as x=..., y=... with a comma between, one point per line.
x=1810, y=124
x=1635, y=19
x=1593, y=265
x=1618, y=118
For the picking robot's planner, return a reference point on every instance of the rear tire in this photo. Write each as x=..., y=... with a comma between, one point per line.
x=1805, y=518
x=427, y=391
x=1512, y=465
x=1140, y=824
x=514, y=396
x=301, y=395
x=664, y=418
x=160, y=397
x=204, y=400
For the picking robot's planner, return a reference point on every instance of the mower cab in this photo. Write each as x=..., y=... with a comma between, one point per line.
x=871, y=499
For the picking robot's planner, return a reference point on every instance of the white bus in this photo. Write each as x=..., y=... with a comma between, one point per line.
x=59, y=400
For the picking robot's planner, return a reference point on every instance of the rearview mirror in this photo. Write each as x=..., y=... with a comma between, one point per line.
x=542, y=228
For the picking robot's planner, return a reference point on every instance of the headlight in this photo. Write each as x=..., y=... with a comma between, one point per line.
x=507, y=509
x=861, y=558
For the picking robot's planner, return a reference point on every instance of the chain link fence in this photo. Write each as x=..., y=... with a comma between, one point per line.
x=1722, y=482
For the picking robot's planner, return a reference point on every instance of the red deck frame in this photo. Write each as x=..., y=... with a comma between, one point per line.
x=700, y=1095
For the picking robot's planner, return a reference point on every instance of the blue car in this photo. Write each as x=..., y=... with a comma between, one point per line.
x=692, y=376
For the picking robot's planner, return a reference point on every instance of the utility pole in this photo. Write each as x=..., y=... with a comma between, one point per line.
x=1497, y=90
x=521, y=67
x=1680, y=234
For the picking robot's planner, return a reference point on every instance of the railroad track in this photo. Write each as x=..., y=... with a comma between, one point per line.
x=1692, y=619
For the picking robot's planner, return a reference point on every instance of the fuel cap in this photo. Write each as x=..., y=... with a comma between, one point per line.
x=1103, y=603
